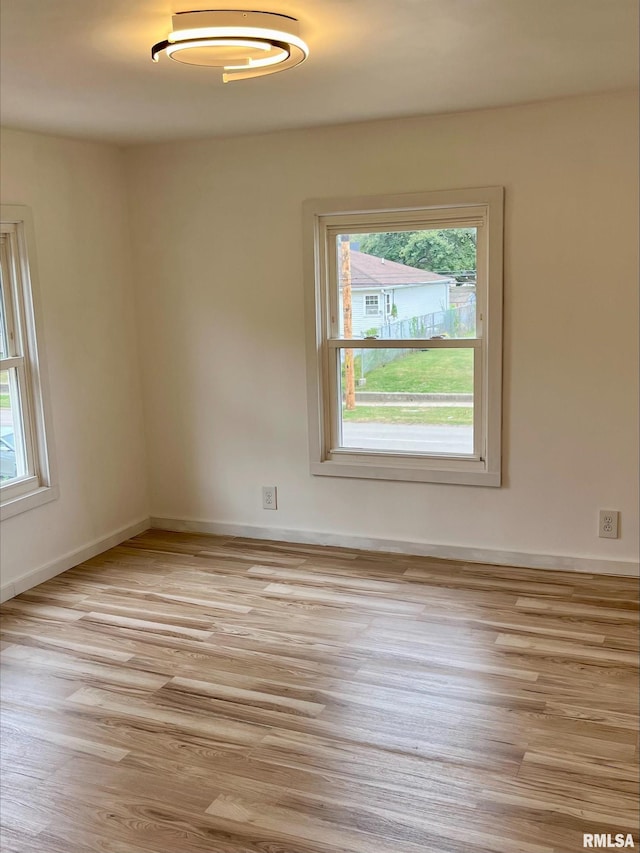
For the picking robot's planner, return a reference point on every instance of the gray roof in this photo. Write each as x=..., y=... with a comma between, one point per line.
x=368, y=271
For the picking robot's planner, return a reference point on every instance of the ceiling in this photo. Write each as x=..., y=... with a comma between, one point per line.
x=82, y=67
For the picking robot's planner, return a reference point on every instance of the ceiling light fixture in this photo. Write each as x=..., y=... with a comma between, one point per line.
x=243, y=44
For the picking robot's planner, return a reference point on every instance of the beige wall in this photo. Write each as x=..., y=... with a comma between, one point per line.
x=217, y=238
x=77, y=196
x=217, y=266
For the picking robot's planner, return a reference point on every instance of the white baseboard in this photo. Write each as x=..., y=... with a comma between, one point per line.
x=67, y=561
x=626, y=568
x=311, y=537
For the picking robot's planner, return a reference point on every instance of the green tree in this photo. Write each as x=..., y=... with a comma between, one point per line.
x=385, y=244
x=446, y=250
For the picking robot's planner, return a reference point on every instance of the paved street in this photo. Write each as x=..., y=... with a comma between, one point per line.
x=425, y=438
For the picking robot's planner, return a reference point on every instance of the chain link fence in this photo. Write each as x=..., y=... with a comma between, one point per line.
x=459, y=321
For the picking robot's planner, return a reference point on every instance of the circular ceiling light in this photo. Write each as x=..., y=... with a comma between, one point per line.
x=243, y=44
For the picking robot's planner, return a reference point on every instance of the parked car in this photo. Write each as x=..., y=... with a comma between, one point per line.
x=8, y=467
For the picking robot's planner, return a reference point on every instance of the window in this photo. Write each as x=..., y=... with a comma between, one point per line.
x=420, y=399
x=25, y=460
x=372, y=304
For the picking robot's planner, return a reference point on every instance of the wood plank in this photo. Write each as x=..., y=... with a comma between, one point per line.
x=223, y=695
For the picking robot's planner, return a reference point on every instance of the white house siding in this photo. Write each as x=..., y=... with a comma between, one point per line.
x=361, y=321
x=424, y=299
x=410, y=302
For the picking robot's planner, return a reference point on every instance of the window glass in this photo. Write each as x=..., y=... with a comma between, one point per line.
x=13, y=462
x=426, y=280
x=371, y=305
x=408, y=401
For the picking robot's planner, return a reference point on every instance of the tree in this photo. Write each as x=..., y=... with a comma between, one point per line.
x=386, y=244
x=445, y=250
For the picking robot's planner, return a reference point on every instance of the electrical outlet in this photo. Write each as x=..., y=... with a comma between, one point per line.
x=608, y=524
x=269, y=497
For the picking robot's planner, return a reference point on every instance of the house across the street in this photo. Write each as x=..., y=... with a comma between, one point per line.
x=385, y=292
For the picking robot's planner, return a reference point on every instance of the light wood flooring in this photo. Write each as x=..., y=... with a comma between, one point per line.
x=185, y=693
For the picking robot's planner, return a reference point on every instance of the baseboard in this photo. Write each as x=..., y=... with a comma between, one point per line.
x=68, y=561
x=394, y=546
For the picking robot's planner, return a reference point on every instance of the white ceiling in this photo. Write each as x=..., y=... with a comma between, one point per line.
x=82, y=67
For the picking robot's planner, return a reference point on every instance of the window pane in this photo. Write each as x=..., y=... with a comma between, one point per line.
x=414, y=401
x=12, y=446
x=407, y=284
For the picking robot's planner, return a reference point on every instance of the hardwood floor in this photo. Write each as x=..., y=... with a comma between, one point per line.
x=188, y=693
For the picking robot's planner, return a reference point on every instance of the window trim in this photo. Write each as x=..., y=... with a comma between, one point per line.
x=448, y=208
x=39, y=486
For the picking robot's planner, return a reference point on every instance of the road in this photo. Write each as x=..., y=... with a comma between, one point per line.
x=409, y=437
x=419, y=437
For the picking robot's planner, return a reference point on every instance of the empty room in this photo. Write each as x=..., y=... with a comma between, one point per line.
x=319, y=426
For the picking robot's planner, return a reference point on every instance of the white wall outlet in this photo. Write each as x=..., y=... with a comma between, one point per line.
x=608, y=524
x=269, y=497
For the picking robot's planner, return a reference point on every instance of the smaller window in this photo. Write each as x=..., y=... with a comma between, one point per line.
x=372, y=305
x=26, y=478
x=415, y=395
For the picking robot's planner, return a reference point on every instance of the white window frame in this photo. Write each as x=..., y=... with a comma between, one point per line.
x=22, y=304
x=324, y=220
x=376, y=312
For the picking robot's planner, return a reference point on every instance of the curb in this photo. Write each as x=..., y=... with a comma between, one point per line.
x=400, y=397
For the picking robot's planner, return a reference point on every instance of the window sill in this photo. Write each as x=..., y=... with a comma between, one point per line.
x=22, y=503
x=472, y=473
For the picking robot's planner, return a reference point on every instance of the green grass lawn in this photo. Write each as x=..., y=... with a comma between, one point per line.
x=437, y=371
x=451, y=415
x=4, y=401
